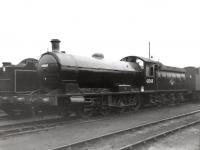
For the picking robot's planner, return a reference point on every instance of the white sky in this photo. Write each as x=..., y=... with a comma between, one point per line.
x=116, y=28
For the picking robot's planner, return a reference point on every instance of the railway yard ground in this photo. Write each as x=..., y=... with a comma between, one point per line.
x=80, y=130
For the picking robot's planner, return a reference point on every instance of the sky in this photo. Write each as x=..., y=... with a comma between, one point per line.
x=115, y=28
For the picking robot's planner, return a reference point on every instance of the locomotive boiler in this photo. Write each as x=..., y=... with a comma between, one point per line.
x=58, y=69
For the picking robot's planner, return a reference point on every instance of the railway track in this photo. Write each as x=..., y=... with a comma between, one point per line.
x=21, y=128
x=32, y=126
x=145, y=132
x=47, y=124
x=42, y=125
x=156, y=136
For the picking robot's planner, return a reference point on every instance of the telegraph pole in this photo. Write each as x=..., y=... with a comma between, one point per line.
x=149, y=51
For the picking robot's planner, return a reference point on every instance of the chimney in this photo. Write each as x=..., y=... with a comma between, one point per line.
x=55, y=45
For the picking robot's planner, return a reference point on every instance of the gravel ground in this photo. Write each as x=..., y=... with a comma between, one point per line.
x=71, y=133
x=188, y=139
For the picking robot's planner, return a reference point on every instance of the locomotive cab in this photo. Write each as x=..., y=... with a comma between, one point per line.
x=148, y=68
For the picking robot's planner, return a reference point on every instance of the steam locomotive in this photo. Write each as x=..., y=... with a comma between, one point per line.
x=18, y=85
x=16, y=80
x=78, y=85
x=81, y=84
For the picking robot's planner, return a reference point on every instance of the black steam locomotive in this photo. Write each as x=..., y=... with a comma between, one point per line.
x=18, y=86
x=81, y=83
x=15, y=81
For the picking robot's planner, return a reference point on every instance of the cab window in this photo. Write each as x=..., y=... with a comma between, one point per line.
x=140, y=63
x=149, y=71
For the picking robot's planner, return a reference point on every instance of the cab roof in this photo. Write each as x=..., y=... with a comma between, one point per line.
x=132, y=58
x=160, y=65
